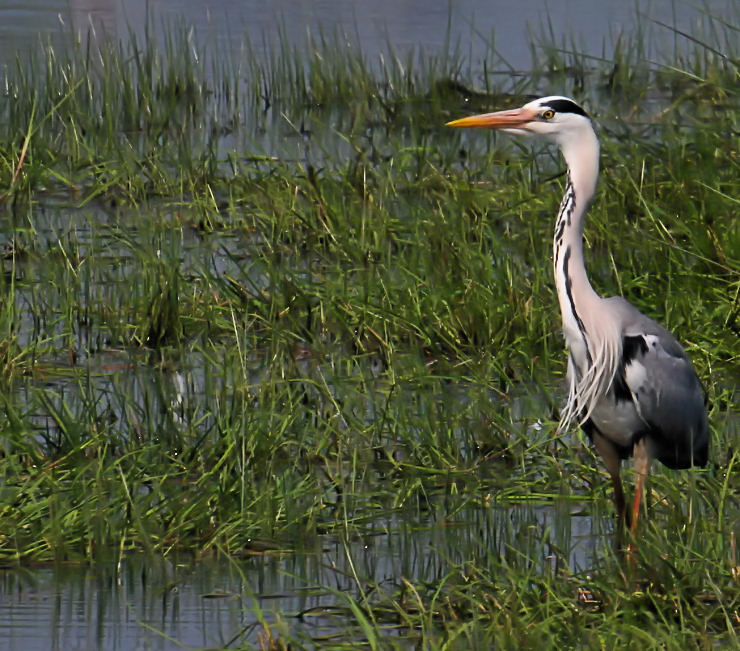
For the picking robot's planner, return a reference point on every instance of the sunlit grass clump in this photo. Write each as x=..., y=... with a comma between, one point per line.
x=251, y=303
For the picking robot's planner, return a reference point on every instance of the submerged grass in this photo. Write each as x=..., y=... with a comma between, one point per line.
x=275, y=300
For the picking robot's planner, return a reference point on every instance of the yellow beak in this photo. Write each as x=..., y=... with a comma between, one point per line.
x=512, y=119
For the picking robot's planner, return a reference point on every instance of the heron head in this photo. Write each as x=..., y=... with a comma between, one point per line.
x=557, y=118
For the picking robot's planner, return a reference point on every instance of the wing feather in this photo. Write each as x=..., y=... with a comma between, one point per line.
x=667, y=396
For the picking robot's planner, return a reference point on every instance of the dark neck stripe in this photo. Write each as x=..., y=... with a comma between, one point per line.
x=567, y=206
x=571, y=302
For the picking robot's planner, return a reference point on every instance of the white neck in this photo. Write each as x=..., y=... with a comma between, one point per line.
x=575, y=294
x=593, y=339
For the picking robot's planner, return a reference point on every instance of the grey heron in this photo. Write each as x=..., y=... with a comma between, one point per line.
x=632, y=388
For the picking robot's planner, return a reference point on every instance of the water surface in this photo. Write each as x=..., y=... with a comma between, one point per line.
x=473, y=26
x=175, y=603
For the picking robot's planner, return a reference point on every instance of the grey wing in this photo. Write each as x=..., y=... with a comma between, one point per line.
x=658, y=376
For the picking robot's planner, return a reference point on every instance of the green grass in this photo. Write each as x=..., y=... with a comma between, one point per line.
x=278, y=301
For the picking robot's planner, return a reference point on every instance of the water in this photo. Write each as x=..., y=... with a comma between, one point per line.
x=473, y=25
x=155, y=603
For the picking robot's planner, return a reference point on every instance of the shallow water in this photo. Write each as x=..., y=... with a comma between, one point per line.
x=145, y=603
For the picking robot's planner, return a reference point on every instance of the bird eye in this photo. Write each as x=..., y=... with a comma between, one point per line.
x=548, y=114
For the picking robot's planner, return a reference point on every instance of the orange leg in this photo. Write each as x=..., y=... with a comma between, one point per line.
x=643, y=459
x=636, y=505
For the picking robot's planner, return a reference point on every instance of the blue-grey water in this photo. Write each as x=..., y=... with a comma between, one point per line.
x=179, y=603
x=591, y=27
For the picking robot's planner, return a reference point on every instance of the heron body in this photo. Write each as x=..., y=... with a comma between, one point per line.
x=631, y=385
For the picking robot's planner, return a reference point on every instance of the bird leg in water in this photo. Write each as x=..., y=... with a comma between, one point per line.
x=643, y=459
